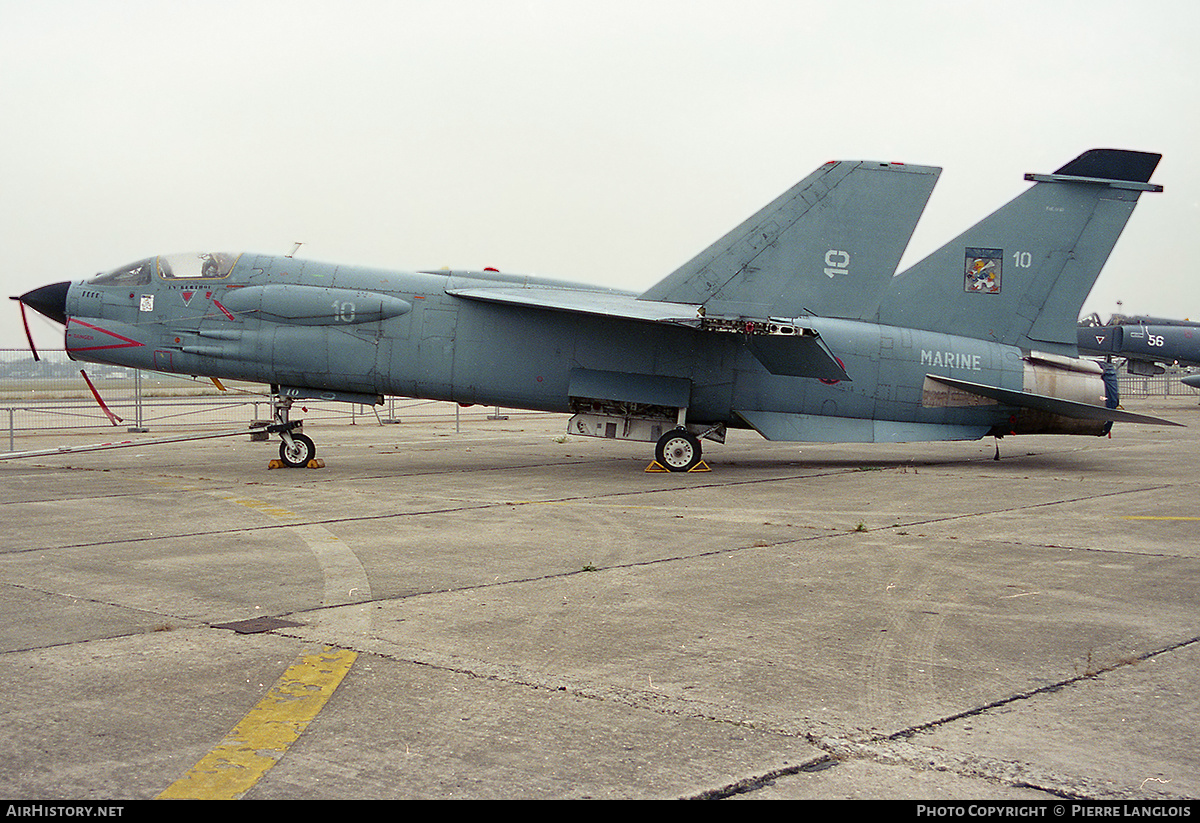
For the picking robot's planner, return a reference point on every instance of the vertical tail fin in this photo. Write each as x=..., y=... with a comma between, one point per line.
x=827, y=246
x=1020, y=276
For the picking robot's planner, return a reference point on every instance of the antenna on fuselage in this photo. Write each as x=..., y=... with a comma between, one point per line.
x=295, y=249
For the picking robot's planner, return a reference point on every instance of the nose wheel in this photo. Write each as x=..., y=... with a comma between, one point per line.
x=298, y=452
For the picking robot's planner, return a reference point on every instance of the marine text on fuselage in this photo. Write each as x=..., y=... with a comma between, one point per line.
x=951, y=360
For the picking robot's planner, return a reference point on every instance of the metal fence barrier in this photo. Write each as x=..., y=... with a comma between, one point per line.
x=52, y=394
x=1160, y=385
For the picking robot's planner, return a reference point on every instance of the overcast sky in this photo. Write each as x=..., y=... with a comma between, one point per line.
x=606, y=142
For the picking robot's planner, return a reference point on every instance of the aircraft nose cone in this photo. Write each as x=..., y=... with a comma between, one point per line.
x=48, y=300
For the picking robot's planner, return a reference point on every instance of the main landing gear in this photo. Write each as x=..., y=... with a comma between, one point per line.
x=297, y=450
x=678, y=451
x=676, y=444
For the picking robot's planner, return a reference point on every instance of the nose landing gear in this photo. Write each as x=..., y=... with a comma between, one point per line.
x=297, y=450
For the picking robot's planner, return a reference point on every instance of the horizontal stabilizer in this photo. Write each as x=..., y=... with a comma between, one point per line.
x=1053, y=405
x=1113, y=165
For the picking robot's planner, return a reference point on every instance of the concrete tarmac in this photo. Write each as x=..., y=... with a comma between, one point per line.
x=511, y=613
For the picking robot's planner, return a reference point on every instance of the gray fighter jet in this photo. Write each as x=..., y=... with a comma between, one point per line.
x=792, y=324
x=1143, y=342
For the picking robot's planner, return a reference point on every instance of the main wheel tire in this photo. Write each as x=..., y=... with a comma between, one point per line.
x=678, y=451
x=302, y=450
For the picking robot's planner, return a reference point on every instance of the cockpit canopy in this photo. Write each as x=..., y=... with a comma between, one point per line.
x=193, y=266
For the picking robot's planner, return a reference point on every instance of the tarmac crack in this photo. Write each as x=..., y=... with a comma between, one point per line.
x=897, y=749
x=160, y=627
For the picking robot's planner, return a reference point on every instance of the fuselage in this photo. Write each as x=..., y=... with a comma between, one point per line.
x=368, y=332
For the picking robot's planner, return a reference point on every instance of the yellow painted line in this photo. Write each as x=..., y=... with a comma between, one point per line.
x=260, y=506
x=1147, y=517
x=261, y=738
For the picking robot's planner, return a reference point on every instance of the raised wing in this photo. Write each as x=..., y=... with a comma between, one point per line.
x=783, y=346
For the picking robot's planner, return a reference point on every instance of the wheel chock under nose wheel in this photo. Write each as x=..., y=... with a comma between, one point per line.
x=315, y=463
x=296, y=450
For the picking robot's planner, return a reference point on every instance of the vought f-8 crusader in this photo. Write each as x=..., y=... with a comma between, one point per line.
x=793, y=324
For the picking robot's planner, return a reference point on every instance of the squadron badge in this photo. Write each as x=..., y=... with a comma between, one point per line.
x=983, y=271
